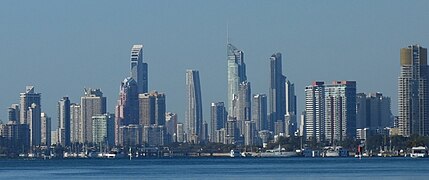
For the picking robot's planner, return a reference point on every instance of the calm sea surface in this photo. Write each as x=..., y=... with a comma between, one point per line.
x=218, y=168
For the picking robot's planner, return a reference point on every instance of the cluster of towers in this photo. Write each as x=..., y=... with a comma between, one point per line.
x=246, y=115
x=333, y=112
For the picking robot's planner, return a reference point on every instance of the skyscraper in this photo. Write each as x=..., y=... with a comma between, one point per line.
x=75, y=121
x=194, y=113
x=180, y=134
x=218, y=116
x=276, y=91
x=30, y=114
x=243, y=110
x=413, y=92
x=152, y=109
x=259, y=111
x=315, y=112
x=139, y=69
x=290, y=116
x=35, y=124
x=13, y=113
x=171, y=125
x=373, y=111
x=64, y=121
x=340, y=111
x=92, y=103
x=236, y=73
x=26, y=100
x=127, y=109
x=103, y=129
x=45, y=130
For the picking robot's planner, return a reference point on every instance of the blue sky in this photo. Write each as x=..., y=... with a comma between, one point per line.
x=63, y=46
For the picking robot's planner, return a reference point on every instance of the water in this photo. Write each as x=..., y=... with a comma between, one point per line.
x=218, y=168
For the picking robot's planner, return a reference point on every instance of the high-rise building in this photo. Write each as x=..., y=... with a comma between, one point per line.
x=76, y=133
x=180, y=134
x=194, y=113
x=205, y=132
x=276, y=91
x=290, y=116
x=290, y=124
x=231, y=132
x=243, y=110
x=17, y=136
x=171, y=125
x=130, y=135
x=218, y=117
x=259, y=112
x=290, y=97
x=314, y=127
x=103, y=127
x=64, y=121
x=35, y=124
x=249, y=133
x=127, y=109
x=26, y=100
x=13, y=112
x=46, y=130
x=302, y=124
x=340, y=111
x=153, y=135
x=152, y=112
x=152, y=109
x=373, y=111
x=413, y=92
x=92, y=103
x=139, y=69
x=236, y=73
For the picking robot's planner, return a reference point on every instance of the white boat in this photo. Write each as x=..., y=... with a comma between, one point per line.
x=335, y=152
x=278, y=152
x=419, y=152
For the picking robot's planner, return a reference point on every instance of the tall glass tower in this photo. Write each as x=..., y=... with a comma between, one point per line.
x=64, y=121
x=413, y=92
x=277, y=91
x=127, y=109
x=139, y=69
x=194, y=113
x=236, y=74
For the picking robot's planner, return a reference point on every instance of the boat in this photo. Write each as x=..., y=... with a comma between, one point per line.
x=419, y=152
x=335, y=152
x=278, y=152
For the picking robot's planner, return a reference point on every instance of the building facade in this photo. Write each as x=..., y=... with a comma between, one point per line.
x=46, y=130
x=277, y=91
x=194, y=113
x=413, y=92
x=315, y=112
x=139, y=69
x=64, y=121
x=259, y=111
x=218, y=116
x=236, y=73
x=127, y=108
x=92, y=103
x=340, y=111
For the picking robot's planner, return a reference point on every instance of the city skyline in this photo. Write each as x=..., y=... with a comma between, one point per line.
x=84, y=58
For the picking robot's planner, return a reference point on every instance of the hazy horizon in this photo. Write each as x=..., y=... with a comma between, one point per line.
x=61, y=47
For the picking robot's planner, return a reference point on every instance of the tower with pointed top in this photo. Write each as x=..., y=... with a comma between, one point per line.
x=236, y=74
